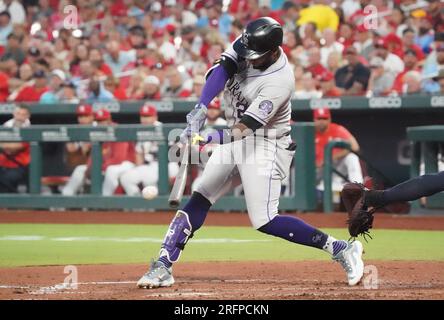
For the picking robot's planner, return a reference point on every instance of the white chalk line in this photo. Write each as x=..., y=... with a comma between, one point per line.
x=120, y=239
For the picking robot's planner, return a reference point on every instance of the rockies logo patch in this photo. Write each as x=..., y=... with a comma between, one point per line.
x=265, y=107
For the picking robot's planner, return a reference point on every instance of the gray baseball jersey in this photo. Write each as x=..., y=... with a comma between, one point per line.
x=262, y=95
x=260, y=162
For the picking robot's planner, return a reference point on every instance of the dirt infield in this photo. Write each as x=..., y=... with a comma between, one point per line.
x=229, y=280
x=334, y=220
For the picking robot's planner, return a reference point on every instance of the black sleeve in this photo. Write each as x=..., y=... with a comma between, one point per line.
x=250, y=122
x=227, y=63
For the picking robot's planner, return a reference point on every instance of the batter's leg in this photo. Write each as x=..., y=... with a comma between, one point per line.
x=413, y=189
x=262, y=185
x=217, y=178
x=76, y=181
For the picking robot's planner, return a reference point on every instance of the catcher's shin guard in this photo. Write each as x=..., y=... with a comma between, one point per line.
x=179, y=231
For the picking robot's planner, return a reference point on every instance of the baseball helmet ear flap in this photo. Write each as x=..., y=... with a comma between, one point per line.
x=259, y=37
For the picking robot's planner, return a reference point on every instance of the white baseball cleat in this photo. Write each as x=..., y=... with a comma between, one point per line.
x=351, y=260
x=157, y=276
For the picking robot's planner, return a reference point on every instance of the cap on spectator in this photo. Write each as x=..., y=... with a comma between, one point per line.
x=215, y=104
x=102, y=114
x=376, y=62
x=321, y=113
x=39, y=74
x=439, y=36
x=152, y=80
x=418, y=13
x=59, y=73
x=137, y=30
x=158, y=33
x=326, y=76
x=381, y=43
x=170, y=3
x=170, y=28
x=117, y=8
x=34, y=51
x=392, y=38
x=362, y=28
x=68, y=83
x=84, y=110
x=148, y=110
x=156, y=7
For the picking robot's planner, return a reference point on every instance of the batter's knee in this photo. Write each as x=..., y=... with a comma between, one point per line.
x=262, y=220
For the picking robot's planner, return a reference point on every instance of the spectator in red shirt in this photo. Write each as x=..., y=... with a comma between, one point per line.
x=14, y=156
x=346, y=35
x=96, y=58
x=112, y=85
x=328, y=86
x=408, y=43
x=314, y=62
x=34, y=92
x=4, y=86
x=81, y=54
x=344, y=161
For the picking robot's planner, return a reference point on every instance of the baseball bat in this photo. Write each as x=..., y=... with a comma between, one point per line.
x=181, y=179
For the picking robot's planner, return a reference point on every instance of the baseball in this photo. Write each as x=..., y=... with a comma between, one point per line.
x=150, y=192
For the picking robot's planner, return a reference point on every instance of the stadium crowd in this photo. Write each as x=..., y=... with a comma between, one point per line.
x=138, y=49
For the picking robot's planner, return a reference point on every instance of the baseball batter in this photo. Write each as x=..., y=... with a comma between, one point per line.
x=256, y=151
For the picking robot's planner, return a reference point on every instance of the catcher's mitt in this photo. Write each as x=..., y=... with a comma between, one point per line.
x=360, y=218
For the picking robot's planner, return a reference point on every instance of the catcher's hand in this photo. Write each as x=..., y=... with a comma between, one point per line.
x=360, y=217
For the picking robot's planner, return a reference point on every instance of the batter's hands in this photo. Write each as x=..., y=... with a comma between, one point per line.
x=196, y=118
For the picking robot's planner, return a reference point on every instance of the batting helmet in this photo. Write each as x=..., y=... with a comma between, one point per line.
x=259, y=37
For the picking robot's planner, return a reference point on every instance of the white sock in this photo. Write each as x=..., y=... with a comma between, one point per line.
x=333, y=246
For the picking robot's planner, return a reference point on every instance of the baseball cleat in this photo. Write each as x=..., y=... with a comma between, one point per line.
x=157, y=276
x=351, y=260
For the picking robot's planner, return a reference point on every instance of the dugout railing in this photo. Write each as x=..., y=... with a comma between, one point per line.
x=301, y=198
x=426, y=141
